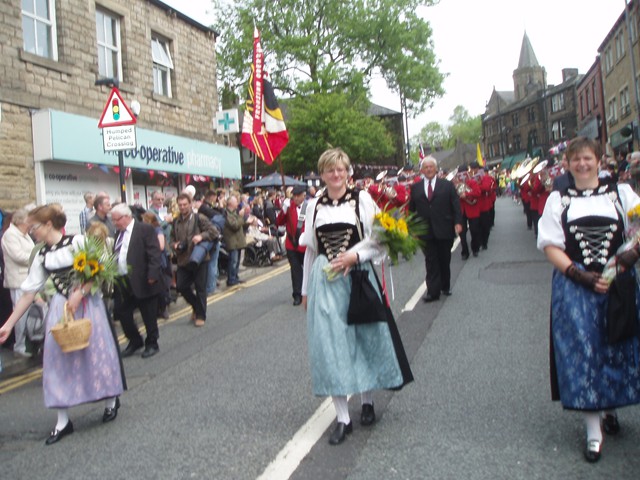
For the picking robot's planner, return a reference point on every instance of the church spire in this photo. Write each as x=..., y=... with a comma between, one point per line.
x=527, y=56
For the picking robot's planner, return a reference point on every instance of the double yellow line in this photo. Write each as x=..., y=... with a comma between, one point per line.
x=20, y=380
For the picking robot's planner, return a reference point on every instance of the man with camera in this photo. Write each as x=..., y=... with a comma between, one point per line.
x=190, y=230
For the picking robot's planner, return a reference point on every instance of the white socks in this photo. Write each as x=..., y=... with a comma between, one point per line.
x=63, y=418
x=366, y=397
x=110, y=402
x=342, y=409
x=592, y=422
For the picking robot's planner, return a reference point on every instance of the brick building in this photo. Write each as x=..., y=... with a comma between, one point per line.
x=53, y=52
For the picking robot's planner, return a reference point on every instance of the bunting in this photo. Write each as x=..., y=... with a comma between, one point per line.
x=263, y=128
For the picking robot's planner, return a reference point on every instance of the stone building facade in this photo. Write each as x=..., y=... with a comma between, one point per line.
x=591, y=111
x=51, y=60
x=531, y=118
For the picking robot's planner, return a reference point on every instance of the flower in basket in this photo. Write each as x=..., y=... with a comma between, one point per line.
x=92, y=262
x=399, y=233
x=633, y=237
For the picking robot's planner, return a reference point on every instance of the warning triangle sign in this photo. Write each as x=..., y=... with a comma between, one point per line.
x=116, y=113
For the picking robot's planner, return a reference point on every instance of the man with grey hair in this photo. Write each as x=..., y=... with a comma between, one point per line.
x=87, y=212
x=16, y=249
x=141, y=279
x=436, y=201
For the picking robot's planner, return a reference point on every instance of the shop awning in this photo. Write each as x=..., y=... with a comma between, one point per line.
x=511, y=160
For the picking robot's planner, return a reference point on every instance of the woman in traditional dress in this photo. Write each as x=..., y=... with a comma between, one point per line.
x=345, y=359
x=580, y=230
x=83, y=376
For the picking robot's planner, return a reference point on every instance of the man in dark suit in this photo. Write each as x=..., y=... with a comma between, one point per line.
x=139, y=265
x=436, y=201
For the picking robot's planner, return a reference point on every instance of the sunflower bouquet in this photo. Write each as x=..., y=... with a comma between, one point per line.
x=399, y=233
x=93, y=262
x=633, y=237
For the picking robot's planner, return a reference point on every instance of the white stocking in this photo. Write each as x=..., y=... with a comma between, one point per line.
x=63, y=418
x=342, y=409
x=592, y=422
x=110, y=402
x=366, y=397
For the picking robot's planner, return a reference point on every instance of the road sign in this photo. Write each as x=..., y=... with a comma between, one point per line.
x=116, y=112
x=119, y=138
x=227, y=121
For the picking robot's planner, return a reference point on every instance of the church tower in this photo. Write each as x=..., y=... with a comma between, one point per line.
x=529, y=77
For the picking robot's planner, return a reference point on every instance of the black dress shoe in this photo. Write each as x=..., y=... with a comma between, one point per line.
x=368, y=415
x=430, y=298
x=150, y=351
x=446, y=292
x=475, y=254
x=592, y=451
x=111, y=413
x=56, y=434
x=340, y=432
x=465, y=256
x=610, y=424
x=130, y=349
x=297, y=300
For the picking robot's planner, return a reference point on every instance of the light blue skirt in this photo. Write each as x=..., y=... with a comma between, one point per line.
x=345, y=359
x=88, y=375
x=592, y=375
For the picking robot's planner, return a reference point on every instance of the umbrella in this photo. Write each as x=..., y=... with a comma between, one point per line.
x=274, y=180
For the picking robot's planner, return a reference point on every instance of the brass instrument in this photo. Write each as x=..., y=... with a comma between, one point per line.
x=526, y=166
x=462, y=189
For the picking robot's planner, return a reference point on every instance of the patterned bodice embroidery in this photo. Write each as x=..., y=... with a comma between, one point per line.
x=336, y=238
x=592, y=240
x=61, y=277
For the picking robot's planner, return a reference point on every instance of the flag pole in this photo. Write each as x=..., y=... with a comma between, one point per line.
x=282, y=173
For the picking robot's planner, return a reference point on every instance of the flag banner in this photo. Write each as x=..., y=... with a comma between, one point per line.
x=263, y=128
x=421, y=151
x=479, y=155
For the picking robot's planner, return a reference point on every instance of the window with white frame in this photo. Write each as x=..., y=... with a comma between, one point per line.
x=557, y=102
x=594, y=94
x=109, y=51
x=558, y=130
x=515, y=119
x=162, y=66
x=39, y=28
x=633, y=30
x=608, y=59
x=619, y=46
x=625, y=106
x=612, y=116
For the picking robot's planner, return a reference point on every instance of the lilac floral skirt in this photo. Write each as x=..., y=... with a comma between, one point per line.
x=87, y=375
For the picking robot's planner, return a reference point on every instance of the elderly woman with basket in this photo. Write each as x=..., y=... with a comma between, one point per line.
x=87, y=375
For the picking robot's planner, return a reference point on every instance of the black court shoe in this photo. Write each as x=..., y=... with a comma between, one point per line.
x=111, y=413
x=57, y=435
x=592, y=451
x=368, y=415
x=340, y=433
x=610, y=424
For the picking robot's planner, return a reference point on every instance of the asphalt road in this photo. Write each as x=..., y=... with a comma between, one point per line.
x=233, y=400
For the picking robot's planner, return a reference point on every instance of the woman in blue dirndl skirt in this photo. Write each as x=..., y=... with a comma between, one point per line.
x=345, y=359
x=83, y=376
x=581, y=228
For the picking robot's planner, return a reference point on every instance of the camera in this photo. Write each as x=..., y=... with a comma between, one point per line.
x=181, y=247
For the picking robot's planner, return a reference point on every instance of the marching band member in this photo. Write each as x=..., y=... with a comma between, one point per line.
x=469, y=193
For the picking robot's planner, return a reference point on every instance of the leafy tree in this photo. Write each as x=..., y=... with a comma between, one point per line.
x=321, y=120
x=317, y=46
x=462, y=127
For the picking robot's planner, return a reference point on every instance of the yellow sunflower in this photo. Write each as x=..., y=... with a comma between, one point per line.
x=80, y=262
x=94, y=267
x=402, y=227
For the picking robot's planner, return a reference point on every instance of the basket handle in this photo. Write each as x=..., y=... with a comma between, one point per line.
x=67, y=316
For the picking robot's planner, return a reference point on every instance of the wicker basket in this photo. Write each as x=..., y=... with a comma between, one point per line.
x=71, y=334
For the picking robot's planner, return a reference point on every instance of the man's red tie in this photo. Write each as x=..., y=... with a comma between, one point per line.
x=429, y=191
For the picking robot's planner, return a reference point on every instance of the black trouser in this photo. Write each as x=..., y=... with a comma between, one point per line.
x=527, y=212
x=185, y=278
x=485, y=228
x=437, y=260
x=535, y=217
x=124, y=305
x=296, y=261
x=473, y=226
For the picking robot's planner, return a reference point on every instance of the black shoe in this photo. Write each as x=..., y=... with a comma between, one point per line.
x=340, y=432
x=297, y=300
x=475, y=254
x=368, y=415
x=610, y=424
x=231, y=284
x=484, y=247
x=446, y=293
x=56, y=435
x=150, y=351
x=465, y=256
x=111, y=413
x=430, y=298
x=131, y=349
x=592, y=451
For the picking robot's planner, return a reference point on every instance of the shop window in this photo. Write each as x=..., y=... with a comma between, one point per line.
x=162, y=66
x=39, y=28
x=109, y=50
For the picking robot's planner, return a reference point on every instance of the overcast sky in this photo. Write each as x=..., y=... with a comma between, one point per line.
x=478, y=44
